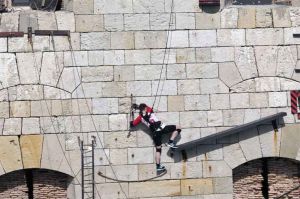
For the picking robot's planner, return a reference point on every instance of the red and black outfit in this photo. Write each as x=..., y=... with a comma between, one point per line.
x=156, y=126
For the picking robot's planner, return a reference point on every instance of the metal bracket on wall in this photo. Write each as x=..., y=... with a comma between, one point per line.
x=52, y=32
x=296, y=35
x=11, y=34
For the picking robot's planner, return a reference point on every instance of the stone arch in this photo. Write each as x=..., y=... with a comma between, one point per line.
x=265, y=84
x=267, y=178
x=34, y=183
x=264, y=142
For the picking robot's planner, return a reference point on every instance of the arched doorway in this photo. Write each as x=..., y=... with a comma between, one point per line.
x=267, y=178
x=34, y=183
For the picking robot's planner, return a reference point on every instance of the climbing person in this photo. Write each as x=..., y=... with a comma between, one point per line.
x=147, y=117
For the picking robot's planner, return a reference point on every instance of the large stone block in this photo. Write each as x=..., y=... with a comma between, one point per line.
x=3, y=44
x=246, y=62
x=10, y=153
x=208, y=20
x=169, y=118
x=124, y=73
x=113, y=190
x=223, y=185
x=188, y=87
x=89, y=23
x=119, y=139
x=83, y=7
x=209, y=152
x=12, y=126
x=70, y=79
x=178, y=39
x=267, y=84
x=162, y=21
x=202, y=38
x=214, y=118
x=168, y=87
x=28, y=19
x=122, y=40
x=277, y=99
x=65, y=21
x=250, y=145
x=30, y=126
x=184, y=170
x=150, y=39
x=246, y=18
x=114, y=57
x=118, y=122
x=55, y=93
x=40, y=108
x=118, y=156
x=239, y=100
x=209, y=70
x=220, y=101
x=52, y=66
x=112, y=6
x=223, y=54
x=264, y=36
x=188, y=135
x=136, y=22
x=29, y=65
x=95, y=41
x=203, y=54
x=114, y=89
x=211, y=86
x=105, y=105
x=290, y=141
x=31, y=148
x=229, y=18
x=140, y=155
x=264, y=18
x=182, y=6
x=10, y=22
x=154, y=188
x=91, y=123
x=281, y=17
x=95, y=74
x=149, y=72
x=229, y=73
x=176, y=71
x=148, y=6
x=233, y=155
x=123, y=172
x=175, y=103
x=216, y=169
x=47, y=21
x=193, y=119
x=9, y=71
x=259, y=100
x=161, y=104
x=77, y=58
x=163, y=56
x=233, y=117
x=149, y=170
x=295, y=16
x=196, y=186
x=231, y=37
x=114, y=22
x=95, y=58
x=137, y=57
x=196, y=102
x=185, y=21
x=269, y=140
x=139, y=88
x=20, y=109
x=4, y=110
x=185, y=55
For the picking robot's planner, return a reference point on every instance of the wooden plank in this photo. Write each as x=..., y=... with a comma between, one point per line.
x=11, y=34
x=52, y=32
x=231, y=131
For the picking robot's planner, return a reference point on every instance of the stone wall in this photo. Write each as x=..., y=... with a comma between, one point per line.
x=224, y=69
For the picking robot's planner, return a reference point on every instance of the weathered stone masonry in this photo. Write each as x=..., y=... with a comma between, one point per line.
x=224, y=69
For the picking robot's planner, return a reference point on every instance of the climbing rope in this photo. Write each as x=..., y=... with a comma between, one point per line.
x=169, y=35
x=128, y=181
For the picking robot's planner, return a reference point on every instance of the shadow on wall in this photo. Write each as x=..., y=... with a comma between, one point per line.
x=218, y=143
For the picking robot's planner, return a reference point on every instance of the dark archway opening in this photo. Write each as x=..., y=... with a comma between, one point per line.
x=267, y=178
x=34, y=184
